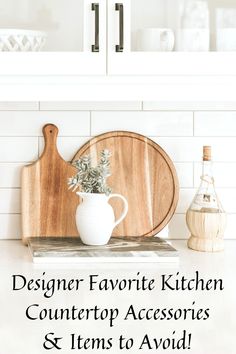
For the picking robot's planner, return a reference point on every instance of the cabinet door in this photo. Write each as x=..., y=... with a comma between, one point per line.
x=172, y=37
x=75, y=37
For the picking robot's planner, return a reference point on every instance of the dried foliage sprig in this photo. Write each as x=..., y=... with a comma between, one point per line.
x=92, y=179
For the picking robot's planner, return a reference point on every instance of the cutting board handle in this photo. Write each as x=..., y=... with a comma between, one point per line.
x=50, y=132
x=48, y=206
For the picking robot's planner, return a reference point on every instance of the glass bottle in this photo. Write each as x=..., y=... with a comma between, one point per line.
x=206, y=218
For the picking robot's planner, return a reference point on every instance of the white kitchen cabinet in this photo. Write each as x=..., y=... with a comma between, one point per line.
x=204, y=33
x=116, y=38
x=76, y=37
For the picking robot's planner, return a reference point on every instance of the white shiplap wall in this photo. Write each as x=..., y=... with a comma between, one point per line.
x=181, y=130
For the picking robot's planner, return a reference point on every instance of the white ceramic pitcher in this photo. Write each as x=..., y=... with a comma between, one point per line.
x=95, y=218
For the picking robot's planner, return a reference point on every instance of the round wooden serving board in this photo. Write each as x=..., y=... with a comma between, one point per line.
x=144, y=174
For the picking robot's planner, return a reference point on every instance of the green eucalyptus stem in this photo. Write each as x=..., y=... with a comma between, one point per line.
x=92, y=179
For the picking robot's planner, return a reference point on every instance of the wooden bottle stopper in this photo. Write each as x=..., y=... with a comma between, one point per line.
x=206, y=153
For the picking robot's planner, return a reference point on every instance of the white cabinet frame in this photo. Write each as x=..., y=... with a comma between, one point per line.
x=109, y=62
x=160, y=63
x=64, y=63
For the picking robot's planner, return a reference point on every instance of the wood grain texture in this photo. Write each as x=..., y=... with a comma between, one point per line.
x=48, y=207
x=144, y=174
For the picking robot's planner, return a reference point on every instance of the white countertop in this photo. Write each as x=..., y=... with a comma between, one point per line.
x=216, y=335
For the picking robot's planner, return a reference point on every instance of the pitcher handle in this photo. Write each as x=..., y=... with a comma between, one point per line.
x=125, y=210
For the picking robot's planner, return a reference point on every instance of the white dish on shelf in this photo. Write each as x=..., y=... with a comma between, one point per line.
x=226, y=39
x=155, y=40
x=20, y=40
x=193, y=40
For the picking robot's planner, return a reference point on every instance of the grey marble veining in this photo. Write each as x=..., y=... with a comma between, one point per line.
x=117, y=247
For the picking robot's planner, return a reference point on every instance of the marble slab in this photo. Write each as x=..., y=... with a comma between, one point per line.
x=131, y=249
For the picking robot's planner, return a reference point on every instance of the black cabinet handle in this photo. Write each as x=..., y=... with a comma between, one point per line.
x=95, y=47
x=120, y=7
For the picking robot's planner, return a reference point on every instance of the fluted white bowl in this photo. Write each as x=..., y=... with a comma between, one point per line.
x=19, y=40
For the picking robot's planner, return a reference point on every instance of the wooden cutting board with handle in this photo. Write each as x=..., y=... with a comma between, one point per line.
x=144, y=174
x=48, y=207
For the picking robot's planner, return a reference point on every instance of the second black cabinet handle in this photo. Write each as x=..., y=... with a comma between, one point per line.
x=120, y=7
x=95, y=47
